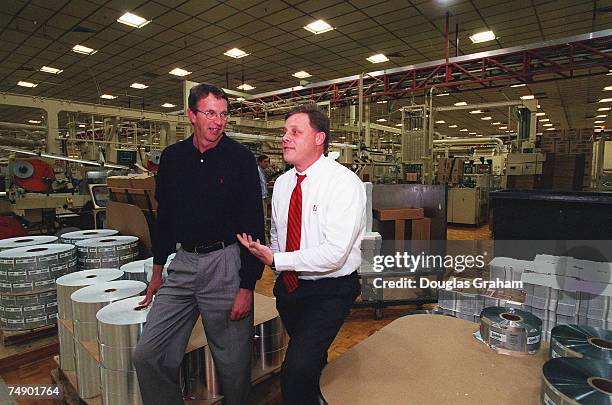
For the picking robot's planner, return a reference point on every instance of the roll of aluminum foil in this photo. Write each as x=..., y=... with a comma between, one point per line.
x=119, y=387
x=86, y=302
x=135, y=271
x=32, y=269
x=198, y=375
x=66, y=285
x=571, y=381
x=107, y=252
x=510, y=331
x=270, y=344
x=22, y=241
x=148, y=266
x=28, y=311
x=581, y=341
x=74, y=237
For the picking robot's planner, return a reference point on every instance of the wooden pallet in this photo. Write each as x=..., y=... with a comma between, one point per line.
x=11, y=337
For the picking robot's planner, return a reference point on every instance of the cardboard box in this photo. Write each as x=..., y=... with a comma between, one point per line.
x=119, y=181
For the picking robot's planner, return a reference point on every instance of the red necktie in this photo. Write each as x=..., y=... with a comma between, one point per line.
x=294, y=232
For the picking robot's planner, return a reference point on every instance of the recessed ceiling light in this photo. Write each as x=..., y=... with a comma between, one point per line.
x=476, y=112
x=603, y=109
x=236, y=53
x=550, y=129
x=378, y=58
x=133, y=20
x=463, y=130
x=381, y=120
x=34, y=121
x=452, y=126
x=318, y=27
x=528, y=97
x=168, y=105
x=483, y=36
x=26, y=84
x=460, y=103
x=81, y=125
x=607, y=88
x=540, y=114
x=538, y=106
x=245, y=87
x=108, y=96
x=486, y=118
x=605, y=100
x=496, y=123
x=441, y=122
x=518, y=85
x=301, y=74
x=83, y=50
x=503, y=127
x=179, y=72
x=52, y=70
x=601, y=116
x=139, y=86
x=472, y=133
x=544, y=119
x=547, y=125
x=599, y=122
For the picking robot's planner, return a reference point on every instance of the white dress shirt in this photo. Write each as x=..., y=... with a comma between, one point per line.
x=263, y=182
x=333, y=221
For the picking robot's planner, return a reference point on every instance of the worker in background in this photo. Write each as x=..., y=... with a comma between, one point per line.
x=263, y=161
x=207, y=190
x=318, y=221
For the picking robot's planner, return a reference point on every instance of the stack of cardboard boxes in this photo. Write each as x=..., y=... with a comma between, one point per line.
x=569, y=142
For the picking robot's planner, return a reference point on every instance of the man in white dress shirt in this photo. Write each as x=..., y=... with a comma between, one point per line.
x=318, y=221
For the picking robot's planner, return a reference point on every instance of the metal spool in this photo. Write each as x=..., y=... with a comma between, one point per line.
x=22, y=241
x=148, y=266
x=66, y=285
x=107, y=252
x=582, y=342
x=510, y=331
x=135, y=271
x=86, y=302
x=571, y=381
x=120, y=326
x=198, y=375
x=74, y=237
x=270, y=344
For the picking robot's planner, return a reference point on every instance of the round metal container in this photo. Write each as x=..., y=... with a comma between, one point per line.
x=148, y=266
x=22, y=241
x=74, y=237
x=86, y=302
x=270, y=344
x=198, y=375
x=66, y=285
x=581, y=341
x=32, y=269
x=135, y=271
x=107, y=252
x=574, y=381
x=510, y=330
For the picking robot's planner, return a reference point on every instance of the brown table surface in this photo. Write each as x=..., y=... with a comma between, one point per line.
x=390, y=214
x=431, y=359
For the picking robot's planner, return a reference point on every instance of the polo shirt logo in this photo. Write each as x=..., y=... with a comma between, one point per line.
x=314, y=208
x=220, y=180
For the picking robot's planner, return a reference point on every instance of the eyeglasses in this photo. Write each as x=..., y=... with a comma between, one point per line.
x=211, y=115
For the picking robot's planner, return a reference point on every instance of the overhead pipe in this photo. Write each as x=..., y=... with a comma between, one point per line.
x=28, y=143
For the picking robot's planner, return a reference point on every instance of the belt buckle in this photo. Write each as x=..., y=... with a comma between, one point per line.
x=209, y=248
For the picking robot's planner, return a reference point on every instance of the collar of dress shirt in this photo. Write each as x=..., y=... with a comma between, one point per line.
x=314, y=169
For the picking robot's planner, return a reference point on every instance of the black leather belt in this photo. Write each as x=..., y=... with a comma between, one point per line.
x=201, y=249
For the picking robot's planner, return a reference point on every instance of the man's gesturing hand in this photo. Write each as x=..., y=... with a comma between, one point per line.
x=262, y=252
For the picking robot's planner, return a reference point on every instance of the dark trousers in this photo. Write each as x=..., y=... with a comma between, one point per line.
x=313, y=315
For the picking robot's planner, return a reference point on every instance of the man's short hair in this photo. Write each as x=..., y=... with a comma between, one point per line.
x=261, y=158
x=201, y=91
x=319, y=121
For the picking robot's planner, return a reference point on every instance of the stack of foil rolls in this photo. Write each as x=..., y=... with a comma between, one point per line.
x=107, y=252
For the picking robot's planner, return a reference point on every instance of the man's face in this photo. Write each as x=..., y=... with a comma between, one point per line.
x=206, y=130
x=302, y=144
x=264, y=163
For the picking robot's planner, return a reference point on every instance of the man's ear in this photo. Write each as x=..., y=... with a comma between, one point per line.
x=320, y=138
x=191, y=115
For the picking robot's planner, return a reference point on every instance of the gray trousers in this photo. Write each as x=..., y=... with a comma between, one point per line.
x=203, y=284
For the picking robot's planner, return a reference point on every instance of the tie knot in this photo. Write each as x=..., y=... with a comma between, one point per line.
x=300, y=178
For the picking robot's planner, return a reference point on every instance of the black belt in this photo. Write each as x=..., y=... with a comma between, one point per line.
x=201, y=249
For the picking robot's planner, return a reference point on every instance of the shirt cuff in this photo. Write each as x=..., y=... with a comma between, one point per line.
x=284, y=261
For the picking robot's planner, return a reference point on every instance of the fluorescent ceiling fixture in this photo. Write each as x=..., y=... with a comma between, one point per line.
x=245, y=87
x=540, y=114
x=318, y=27
x=378, y=58
x=605, y=100
x=452, y=126
x=599, y=122
x=301, y=74
x=257, y=118
x=601, y=116
x=550, y=129
x=52, y=70
x=503, y=127
x=460, y=103
x=478, y=135
x=168, y=105
x=496, y=123
x=240, y=99
x=547, y=125
x=33, y=121
x=441, y=122
x=603, y=109
x=381, y=102
x=398, y=125
x=463, y=130
x=83, y=50
x=108, y=96
x=472, y=133
x=381, y=120
x=528, y=97
x=609, y=73
x=483, y=36
x=26, y=84
x=179, y=72
x=607, y=88
x=519, y=85
x=486, y=118
x=98, y=122
x=476, y=112
x=544, y=119
x=81, y=125
x=133, y=20
x=236, y=53
x=442, y=94
x=138, y=86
